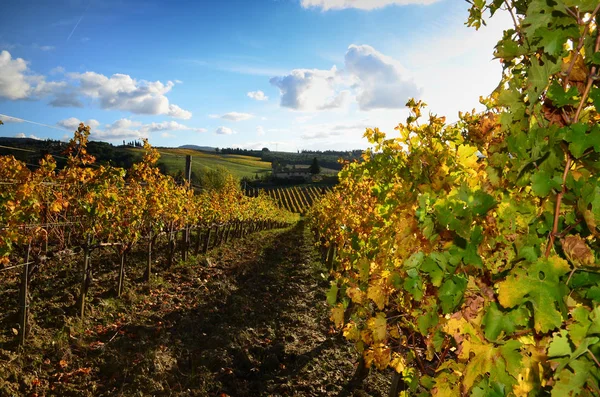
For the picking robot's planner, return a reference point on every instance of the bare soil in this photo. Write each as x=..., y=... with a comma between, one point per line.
x=247, y=319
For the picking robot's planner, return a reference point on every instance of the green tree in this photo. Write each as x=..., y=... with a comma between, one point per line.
x=314, y=167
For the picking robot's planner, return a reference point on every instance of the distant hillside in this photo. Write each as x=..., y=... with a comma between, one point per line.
x=327, y=159
x=172, y=160
x=196, y=147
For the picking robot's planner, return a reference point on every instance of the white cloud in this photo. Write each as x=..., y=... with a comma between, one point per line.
x=72, y=123
x=374, y=80
x=258, y=95
x=360, y=4
x=352, y=130
x=383, y=81
x=120, y=129
x=272, y=145
x=232, y=116
x=15, y=82
x=119, y=91
x=224, y=131
x=44, y=47
x=126, y=128
x=260, y=131
x=31, y=136
x=122, y=92
x=169, y=126
x=57, y=70
x=167, y=135
x=309, y=89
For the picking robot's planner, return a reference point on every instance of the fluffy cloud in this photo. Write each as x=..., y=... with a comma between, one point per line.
x=232, y=116
x=258, y=95
x=120, y=129
x=360, y=4
x=31, y=136
x=118, y=92
x=122, y=92
x=72, y=123
x=309, y=89
x=126, y=128
x=260, y=131
x=383, y=81
x=169, y=126
x=18, y=82
x=224, y=131
x=15, y=83
x=375, y=80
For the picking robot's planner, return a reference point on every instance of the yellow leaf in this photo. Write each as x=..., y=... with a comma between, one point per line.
x=375, y=293
x=525, y=384
x=351, y=332
x=467, y=156
x=377, y=325
x=337, y=315
x=398, y=363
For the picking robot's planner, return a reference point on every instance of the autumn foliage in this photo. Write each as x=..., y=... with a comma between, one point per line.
x=467, y=254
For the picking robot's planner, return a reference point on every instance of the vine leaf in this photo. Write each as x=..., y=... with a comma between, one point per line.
x=540, y=285
x=570, y=383
x=580, y=141
x=497, y=322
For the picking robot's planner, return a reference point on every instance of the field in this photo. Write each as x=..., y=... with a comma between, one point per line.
x=238, y=165
x=295, y=199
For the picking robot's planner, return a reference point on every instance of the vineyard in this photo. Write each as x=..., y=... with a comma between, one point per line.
x=465, y=256
x=456, y=259
x=293, y=199
x=89, y=208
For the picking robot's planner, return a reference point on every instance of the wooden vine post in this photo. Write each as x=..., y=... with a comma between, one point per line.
x=207, y=240
x=149, y=259
x=24, y=298
x=122, y=256
x=85, y=280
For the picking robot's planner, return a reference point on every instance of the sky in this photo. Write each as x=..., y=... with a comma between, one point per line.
x=284, y=74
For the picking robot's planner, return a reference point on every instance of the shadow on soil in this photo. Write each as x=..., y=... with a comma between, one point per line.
x=249, y=320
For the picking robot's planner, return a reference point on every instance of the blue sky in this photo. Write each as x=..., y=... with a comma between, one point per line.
x=286, y=74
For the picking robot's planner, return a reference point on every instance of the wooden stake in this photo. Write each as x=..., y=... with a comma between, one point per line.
x=149, y=263
x=24, y=298
x=121, y=274
x=85, y=281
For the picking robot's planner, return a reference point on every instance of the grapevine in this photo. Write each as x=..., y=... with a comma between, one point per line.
x=468, y=253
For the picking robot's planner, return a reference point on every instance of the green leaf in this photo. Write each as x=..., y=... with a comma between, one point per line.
x=451, y=293
x=580, y=141
x=414, y=284
x=497, y=321
x=538, y=283
x=539, y=75
x=578, y=329
x=560, y=345
x=559, y=97
x=332, y=293
x=571, y=383
x=542, y=183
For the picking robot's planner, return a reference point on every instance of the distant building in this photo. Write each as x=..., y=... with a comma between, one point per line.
x=291, y=172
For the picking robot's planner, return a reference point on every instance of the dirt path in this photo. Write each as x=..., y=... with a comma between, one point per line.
x=250, y=319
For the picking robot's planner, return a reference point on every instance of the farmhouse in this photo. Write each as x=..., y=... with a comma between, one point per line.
x=291, y=172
